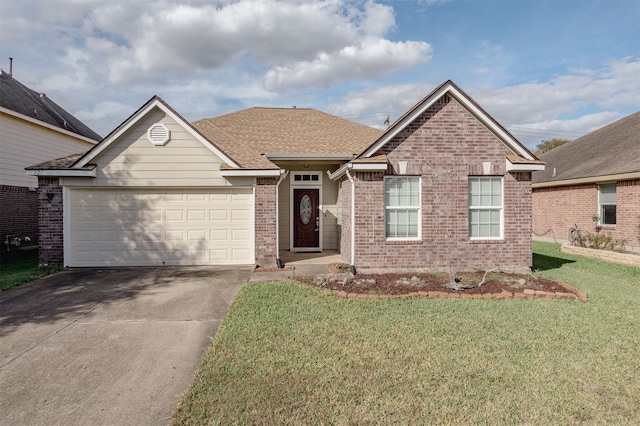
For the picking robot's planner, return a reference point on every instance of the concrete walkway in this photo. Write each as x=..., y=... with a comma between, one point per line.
x=298, y=264
x=108, y=347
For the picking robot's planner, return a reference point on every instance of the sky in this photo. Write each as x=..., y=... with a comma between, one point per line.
x=542, y=69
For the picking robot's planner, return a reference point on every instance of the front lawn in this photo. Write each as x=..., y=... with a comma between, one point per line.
x=291, y=354
x=21, y=266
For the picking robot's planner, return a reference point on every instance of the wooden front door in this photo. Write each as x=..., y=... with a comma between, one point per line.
x=306, y=218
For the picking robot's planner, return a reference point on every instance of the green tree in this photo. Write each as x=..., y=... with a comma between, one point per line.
x=548, y=145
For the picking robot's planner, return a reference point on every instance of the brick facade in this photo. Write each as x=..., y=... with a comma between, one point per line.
x=556, y=209
x=18, y=215
x=265, y=221
x=445, y=146
x=50, y=221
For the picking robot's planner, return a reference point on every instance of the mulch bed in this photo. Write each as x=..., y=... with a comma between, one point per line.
x=431, y=284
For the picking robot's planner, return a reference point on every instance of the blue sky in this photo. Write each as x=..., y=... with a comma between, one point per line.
x=543, y=69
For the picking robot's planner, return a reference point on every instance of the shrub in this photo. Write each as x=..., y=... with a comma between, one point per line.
x=603, y=241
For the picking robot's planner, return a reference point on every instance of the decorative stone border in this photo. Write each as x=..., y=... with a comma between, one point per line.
x=608, y=255
x=571, y=293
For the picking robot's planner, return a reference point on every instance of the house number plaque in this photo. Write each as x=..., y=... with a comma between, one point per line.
x=305, y=209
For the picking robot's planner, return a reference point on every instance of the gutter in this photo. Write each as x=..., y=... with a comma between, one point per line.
x=283, y=175
x=358, y=167
x=590, y=179
x=249, y=173
x=62, y=172
x=352, y=268
x=308, y=156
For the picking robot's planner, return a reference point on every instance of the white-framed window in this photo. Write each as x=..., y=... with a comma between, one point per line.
x=402, y=207
x=486, y=208
x=306, y=178
x=607, y=204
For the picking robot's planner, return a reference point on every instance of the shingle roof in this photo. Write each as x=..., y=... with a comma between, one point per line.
x=611, y=150
x=19, y=98
x=59, y=163
x=246, y=135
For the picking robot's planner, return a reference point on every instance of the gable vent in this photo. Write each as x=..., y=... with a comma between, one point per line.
x=158, y=134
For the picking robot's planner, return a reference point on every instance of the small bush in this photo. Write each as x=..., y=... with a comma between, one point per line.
x=603, y=241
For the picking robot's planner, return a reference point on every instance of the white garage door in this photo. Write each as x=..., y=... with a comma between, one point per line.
x=147, y=227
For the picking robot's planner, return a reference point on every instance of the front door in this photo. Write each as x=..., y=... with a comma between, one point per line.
x=306, y=222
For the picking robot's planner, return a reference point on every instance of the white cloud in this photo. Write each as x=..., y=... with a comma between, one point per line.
x=289, y=37
x=615, y=85
x=102, y=59
x=370, y=59
x=291, y=44
x=372, y=106
x=109, y=113
x=562, y=107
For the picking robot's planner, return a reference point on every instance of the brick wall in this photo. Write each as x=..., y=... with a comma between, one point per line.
x=557, y=209
x=265, y=218
x=444, y=146
x=50, y=221
x=18, y=215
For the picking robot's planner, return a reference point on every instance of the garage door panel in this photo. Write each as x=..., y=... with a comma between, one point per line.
x=84, y=236
x=86, y=256
x=219, y=235
x=240, y=215
x=119, y=227
x=196, y=215
x=174, y=198
x=218, y=215
x=175, y=235
x=239, y=253
x=220, y=255
x=107, y=236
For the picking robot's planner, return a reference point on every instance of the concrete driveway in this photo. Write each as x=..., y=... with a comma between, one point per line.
x=108, y=346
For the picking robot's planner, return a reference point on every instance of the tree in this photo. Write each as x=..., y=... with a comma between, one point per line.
x=548, y=145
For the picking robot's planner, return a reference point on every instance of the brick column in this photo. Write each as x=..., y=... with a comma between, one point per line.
x=265, y=221
x=50, y=221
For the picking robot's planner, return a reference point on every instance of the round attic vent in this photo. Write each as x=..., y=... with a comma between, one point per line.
x=158, y=134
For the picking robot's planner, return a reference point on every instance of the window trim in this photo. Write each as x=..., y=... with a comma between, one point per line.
x=600, y=213
x=500, y=208
x=314, y=178
x=417, y=208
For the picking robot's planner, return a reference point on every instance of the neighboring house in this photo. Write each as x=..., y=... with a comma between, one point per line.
x=594, y=182
x=33, y=128
x=444, y=187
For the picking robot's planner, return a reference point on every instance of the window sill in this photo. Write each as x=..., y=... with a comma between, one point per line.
x=500, y=241
x=403, y=242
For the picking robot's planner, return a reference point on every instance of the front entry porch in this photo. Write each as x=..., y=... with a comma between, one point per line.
x=300, y=258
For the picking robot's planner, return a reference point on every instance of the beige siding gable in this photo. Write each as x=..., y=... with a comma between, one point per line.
x=133, y=160
x=23, y=144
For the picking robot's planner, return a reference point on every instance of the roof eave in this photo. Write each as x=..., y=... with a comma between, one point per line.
x=524, y=167
x=62, y=172
x=47, y=126
x=357, y=167
x=590, y=179
x=308, y=156
x=250, y=173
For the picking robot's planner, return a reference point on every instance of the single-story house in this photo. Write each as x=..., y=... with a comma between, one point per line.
x=33, y=128
x=445, y=186
x=594, y=182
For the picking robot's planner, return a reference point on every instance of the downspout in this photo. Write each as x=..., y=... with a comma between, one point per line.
x=283, y=175
x=353, y=222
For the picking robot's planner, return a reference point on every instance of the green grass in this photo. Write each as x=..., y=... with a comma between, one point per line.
x=291, y=354
x=19, y=267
